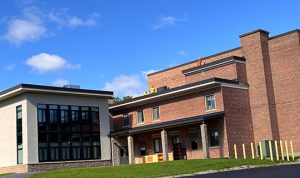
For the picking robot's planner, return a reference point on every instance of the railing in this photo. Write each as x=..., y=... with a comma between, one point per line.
x=267, y=149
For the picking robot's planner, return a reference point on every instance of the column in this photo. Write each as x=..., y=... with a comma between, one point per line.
x=204, y=138
x=115, y=152
x=164, y=141
x=130, y=149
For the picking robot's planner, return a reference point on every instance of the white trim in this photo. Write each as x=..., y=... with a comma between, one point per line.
x=52, y=91
x=244, y=87
x=11, y=92
x=216, y=66
x=165, y=94
x=66, y=92
x=182, y=90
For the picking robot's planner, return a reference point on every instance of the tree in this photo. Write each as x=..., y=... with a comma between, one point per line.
x=119, y=100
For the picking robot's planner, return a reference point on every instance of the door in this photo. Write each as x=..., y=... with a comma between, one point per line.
x=124, y=156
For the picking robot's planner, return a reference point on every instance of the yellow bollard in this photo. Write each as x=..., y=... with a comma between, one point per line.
x=235, y=152
x=292, y=150
x=244, y=151
x=252, y=150
x=260, y=150
x=271, y=151
x=276, y=151
x=287, y=151
x=281, y=150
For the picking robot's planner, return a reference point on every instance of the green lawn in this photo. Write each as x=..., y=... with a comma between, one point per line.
x=153, y=170
x=3, y=175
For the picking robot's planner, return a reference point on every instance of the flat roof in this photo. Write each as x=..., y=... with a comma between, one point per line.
x=168, y=124
x=25, y=88
x=214, y=64
x=184, y=89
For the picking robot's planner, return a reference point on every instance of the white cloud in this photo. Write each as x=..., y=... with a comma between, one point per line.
x=183, y=53
x=35, y=23
x=10, y=67
x=24, y=30
x=44, y=62
x=62, y=18
x=166, y=21
x=126, y=85
x=60, y=82
x=145, y=73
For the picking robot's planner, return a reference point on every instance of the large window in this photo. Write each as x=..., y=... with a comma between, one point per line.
x=140, y=115
x=210, y=102
x=155, y=113
x=214, y=139
x=19, y=135
x=68, y=133
x=157, y=145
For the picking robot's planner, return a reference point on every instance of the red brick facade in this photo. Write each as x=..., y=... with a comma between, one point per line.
x=263, y=104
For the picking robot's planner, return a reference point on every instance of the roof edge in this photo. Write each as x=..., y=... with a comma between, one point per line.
x=254, y=31
x=206, y=57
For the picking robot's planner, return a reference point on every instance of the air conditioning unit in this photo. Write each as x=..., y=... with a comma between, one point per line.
x=162, y=89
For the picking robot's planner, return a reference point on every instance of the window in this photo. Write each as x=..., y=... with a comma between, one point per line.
x=210, y=102
x=126, y=120
x=155, y=113
x=214, y=138
x=68, y=133
x=19, y=135
x=140, y=117
x=194, y=144
x=157, y=145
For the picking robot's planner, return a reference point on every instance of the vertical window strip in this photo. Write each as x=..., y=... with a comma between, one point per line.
x=19, y=135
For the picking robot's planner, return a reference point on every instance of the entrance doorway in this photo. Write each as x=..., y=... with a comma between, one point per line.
x=179, y=151
x=124, y=156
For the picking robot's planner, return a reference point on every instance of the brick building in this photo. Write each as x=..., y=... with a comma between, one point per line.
x=242, y=95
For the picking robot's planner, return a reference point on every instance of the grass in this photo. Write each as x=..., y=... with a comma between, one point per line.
x=3, y=175
x=154, y=169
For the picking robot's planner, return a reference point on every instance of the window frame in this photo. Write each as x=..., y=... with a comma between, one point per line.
x=65, y=145
x=155, y=107
x=210, y=140
x=159, y=145
x=142, y=111
x=126, y=116
x=206, y=105
x=19, y=142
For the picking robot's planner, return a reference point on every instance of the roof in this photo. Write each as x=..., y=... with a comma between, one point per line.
x=190, y=62
x=168, y=124
x=24, y=88
x=214, y=64
x=177, y=91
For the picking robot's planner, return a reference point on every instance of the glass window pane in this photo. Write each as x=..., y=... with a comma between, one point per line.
x=210, y=102
x=214, y=139
x=140, y=117
x=155, y=113
x=126, y=120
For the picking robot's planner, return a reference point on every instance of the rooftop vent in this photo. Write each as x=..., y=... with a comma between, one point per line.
x=72, y=86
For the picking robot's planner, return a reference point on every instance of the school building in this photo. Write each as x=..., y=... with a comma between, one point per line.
x=202, y=108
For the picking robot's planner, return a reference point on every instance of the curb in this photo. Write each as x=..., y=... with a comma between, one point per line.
x=231, y=169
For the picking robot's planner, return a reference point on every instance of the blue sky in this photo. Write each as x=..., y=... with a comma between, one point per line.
x=112, y=44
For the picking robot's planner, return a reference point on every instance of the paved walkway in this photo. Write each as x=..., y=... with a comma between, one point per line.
x=284, y=171
x=20, y=175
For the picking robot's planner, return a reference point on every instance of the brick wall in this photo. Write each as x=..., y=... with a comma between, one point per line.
x=285, y=65
x=172, y=109
x=173, y=77
x=226, y=72
x=254, y=48
x=237, y=118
